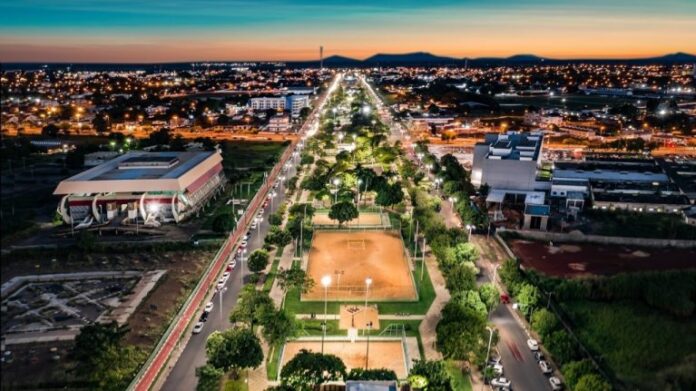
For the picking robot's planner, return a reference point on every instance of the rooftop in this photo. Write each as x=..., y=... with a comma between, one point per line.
x=513, y=145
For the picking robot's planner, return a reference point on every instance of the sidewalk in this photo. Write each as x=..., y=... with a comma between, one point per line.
x=434, y=314
x=276, y=293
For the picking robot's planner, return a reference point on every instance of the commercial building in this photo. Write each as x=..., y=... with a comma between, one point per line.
x=508, y=161
x=279, y=124
x=292, y=103
x=147, y=187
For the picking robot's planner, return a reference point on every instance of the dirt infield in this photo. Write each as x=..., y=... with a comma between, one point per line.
x=365, y=218
x=578, y=259
x=356, y=256
x=356, y=316
x=383, y=354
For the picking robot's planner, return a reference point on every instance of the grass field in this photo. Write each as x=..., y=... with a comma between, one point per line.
x=460, y=381
x=635, y=341
x=426, y=295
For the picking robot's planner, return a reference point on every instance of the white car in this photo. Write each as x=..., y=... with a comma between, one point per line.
x=500, y=382
x=220, y=285
x=208, y=307
x=233, y=263
x=243, y=243
x=198, y=327
x=253, y=225
x=555, y=383
x=533, y=344
x=497, y=369
x=545, y=367
x=226, y=275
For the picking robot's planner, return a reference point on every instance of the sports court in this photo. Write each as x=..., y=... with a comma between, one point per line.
x=383, y=353
x=350, y=257
x=364, y=219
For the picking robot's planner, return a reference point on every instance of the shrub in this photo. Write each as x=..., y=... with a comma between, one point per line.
x=562, y=346
x=574, y=370
x=592, y=382
x=544, y=322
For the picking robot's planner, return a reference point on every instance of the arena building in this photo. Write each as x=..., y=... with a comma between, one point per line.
x=145, y=187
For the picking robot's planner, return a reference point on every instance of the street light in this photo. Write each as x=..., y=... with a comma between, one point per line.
x=325, y=282
x=452, y=201
x=469, y=227
x=367, y=352
x=488, y=352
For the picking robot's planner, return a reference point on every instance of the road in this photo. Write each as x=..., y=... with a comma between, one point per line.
x=183, y=375
x=518, y=362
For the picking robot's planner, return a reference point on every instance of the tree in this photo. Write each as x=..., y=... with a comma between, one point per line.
x=466, y=252
x=234, y=349
x=544, y=322
x=471, y=300
x=562, y=346
x=258, y=261
x=102, y=357
x=390, y=195
x=528, y=298
x=460, y=278
x=434, y=372
x=100, y=124
x=223, y=223
x=209, y=378
x=307, y=370
x=251, y=306
x=371, y=374
x=592, y=382
x=278, y=237
x=489, y=295
x=343, y=211
x=574, y=370
x=294, y=277
x=277, y=326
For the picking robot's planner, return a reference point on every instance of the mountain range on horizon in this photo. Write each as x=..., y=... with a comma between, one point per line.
x=379, y=59
x=429, y=58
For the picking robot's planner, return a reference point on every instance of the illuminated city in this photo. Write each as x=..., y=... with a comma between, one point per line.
x=359, y=196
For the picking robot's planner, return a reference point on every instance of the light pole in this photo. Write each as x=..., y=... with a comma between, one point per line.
x=367, y=352
x=368, y=282
x=258, y=220
x=488, y=352
x=241, y=267
x=469, y=227
x=223, y=290
x=325, y=282
x=359, y=191
x=452, y=200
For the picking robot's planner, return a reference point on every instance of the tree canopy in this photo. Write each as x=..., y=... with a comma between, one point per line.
x=343, y=211
x=307, y=370
x=235, y=348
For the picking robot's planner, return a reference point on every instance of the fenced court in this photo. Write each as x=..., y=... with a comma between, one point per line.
x=365, y=220
x=384, y=353
x=350, y=257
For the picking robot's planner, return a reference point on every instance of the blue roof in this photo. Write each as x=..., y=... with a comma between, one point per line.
x=537, y=210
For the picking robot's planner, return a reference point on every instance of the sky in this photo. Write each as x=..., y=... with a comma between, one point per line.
x=225, y=30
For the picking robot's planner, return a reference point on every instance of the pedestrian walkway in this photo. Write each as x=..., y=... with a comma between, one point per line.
x=256, y=378
x=434, y=314
x=381, y=316
x=285, y=263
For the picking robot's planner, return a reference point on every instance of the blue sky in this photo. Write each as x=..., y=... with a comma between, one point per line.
x=182, y=30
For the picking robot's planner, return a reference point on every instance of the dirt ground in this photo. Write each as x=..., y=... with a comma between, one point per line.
x=33, y=363
x=356, y=256
x=363, y=219
x=578, y=259
x=383, y=354
x=356, y=316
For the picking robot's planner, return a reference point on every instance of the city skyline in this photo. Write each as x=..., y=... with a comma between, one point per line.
x=110, y=31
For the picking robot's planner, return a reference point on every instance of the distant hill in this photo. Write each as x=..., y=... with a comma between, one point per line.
x=340, y=60
x=409, y=58
x=679, y=57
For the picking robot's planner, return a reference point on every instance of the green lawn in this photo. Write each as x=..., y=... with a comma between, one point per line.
x=236, y=385
x=273, y=361
x=460, y=381
x=426, y=294
x=313, y=328
x=635, y=341
x=268, y=284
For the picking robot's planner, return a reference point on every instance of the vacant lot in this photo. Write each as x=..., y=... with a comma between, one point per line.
x=636, y=342
x=578, y=259
x=351, y=257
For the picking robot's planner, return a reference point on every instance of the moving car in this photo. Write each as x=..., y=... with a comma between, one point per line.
x=500, y=382
x=198, y=327
x=208, y=307
x=555, y=383
x=533, y=344
x=545, y=367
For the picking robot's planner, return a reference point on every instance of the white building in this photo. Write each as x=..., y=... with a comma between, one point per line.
x=508, y=161
x=279, y=124
x=267, y=103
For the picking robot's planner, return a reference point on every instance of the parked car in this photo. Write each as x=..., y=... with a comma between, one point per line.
x=497, y=369
x=545, y=367
x=243, y=243
x=538, y=356
x=555, y=383
x=220, y=285
x=253, y=225
x=233, y=263
x=209, y=306
x=198, y=327
x=204, y=317
x=500, y=382
x=226, y=275
x=533, y=344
